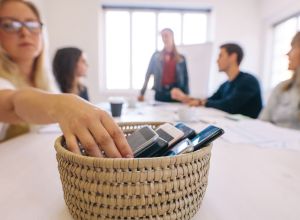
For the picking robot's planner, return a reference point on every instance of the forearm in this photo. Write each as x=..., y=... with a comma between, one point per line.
x=143, y=90
x=35, y=106
x=7, y=111
x=78, y=119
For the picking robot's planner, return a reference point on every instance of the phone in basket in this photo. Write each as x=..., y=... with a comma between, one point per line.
x=184, y=146
x=141, y=139
x=206, y=136
x=169, y=133
x=188, y=132
x=157, y=146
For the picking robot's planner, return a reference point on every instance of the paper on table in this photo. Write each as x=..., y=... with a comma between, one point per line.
x=262, y=134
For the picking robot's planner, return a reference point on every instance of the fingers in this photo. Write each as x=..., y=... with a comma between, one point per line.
x=72, y=144
x=194, y=102
x=141, y=98
x=117, y=135
x=88, y=143
x=104, y=139
x=74, y=132
x=95, y=129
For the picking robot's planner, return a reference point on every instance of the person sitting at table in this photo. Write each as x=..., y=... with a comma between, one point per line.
x=283, y=106
x=69, y=65
x=169, y=70
x=23, y=89
x=240, y=94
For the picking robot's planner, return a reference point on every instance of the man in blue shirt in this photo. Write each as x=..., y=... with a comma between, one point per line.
x=240, y=94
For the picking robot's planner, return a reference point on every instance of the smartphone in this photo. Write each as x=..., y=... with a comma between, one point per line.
x=206, y=136
x=157, y=146
x=188, y=132
x=182, y=147
x=141, y=139
x=169, y=133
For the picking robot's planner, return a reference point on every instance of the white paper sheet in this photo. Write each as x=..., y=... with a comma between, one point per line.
x=261, y=134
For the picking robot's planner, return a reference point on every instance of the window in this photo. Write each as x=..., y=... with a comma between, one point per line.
x=132, y=35
x=283, y=34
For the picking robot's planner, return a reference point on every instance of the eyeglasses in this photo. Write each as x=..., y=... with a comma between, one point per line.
x=10, y=25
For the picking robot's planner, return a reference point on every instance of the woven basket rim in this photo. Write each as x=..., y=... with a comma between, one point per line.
x=90, y=160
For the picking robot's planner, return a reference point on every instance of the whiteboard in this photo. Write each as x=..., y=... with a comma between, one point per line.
x=198, y=57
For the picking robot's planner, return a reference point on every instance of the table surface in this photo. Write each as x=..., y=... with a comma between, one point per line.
x=245, y=182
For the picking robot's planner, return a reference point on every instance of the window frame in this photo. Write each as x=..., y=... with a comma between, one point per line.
x=156, y=10
x=273, y=61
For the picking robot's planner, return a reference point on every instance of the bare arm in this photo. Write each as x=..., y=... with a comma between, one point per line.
x=78, y=119
x=179, y=95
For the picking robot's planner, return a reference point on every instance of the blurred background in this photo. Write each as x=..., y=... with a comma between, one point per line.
x=120, y=36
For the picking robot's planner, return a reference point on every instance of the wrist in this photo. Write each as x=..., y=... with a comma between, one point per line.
x=57, y=106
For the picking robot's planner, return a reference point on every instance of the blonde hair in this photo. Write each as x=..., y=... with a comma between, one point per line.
x=289, y=83
x=9, y=70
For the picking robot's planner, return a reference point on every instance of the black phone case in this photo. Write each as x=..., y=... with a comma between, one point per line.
x=209, y=134
x=151, y=151
x=188, y=132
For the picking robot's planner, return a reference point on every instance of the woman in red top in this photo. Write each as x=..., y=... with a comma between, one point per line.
x=169, y=70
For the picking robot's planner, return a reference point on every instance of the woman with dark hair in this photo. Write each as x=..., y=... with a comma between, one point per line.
x=169, y=70
x=69, y=65
x=283, y=107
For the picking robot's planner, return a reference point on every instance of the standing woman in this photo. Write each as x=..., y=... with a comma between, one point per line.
x=23, y=90
x=69, y=65
x=283, y=107
x=169, y=70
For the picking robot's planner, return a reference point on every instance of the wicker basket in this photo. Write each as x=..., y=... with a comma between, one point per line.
x=146, y=188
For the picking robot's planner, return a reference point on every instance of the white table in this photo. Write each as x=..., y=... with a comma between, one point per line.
x=245, y=182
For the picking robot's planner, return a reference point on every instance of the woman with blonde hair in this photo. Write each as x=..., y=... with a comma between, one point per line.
x=283, y=107
x=169, y=70
x=23, y=89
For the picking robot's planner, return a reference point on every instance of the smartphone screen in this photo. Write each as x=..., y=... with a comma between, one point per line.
x=206, y=136
x=141, y=139
x=188, y=132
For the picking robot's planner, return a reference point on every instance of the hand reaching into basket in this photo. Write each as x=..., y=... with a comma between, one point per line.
x=79, y=120
x=94, y=128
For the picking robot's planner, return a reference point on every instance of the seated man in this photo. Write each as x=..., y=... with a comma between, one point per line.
x=240, y=94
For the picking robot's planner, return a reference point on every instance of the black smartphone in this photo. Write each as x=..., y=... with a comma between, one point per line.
x=159, y=145
x=206, y=136
x=188, y=132
x=141, y=139
x=184, y=146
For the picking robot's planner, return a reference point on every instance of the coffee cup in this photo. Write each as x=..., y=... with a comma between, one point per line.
x=187, y=114
x=131, y=102
x=116, y=105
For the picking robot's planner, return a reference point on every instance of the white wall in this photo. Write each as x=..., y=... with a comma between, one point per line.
x=76, y=22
